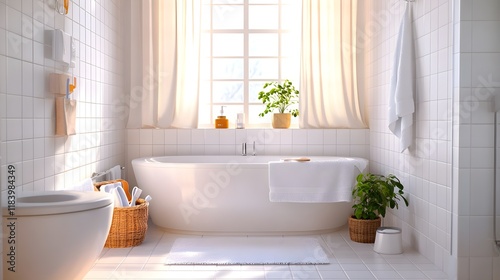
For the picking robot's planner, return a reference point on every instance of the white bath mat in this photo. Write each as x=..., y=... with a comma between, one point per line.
x=211, y=250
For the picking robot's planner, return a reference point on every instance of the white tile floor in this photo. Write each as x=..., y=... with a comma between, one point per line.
x=348, y=260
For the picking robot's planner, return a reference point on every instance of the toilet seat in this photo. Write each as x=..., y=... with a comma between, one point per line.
x=74, y=201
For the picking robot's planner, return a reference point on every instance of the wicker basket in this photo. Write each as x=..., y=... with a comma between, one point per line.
x=363, y=231
x=129, y=225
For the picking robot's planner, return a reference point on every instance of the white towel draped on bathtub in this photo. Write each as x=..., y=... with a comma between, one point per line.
x=401, y=104
x=314, y=181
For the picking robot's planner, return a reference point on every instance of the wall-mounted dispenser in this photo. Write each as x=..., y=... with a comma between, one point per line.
x=62, y=9
x=63, y=48
x=65, y=106
x=65, y=116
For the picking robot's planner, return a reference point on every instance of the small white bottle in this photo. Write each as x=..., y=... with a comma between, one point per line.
x=240, y=120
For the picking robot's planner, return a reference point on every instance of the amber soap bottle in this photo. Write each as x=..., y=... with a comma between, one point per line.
x=221, y=121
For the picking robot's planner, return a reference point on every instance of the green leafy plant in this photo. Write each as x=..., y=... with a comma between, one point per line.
x=279, y=97
x=373, y=193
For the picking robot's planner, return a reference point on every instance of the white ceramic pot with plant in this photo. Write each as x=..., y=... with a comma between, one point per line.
x=278, y=98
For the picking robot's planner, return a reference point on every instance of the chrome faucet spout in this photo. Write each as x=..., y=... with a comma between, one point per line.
x=243, y=149
x=253, y=151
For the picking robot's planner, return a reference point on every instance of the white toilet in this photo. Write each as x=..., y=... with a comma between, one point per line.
x=54, y=234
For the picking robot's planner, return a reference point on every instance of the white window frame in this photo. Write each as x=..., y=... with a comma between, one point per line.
x=208, y=121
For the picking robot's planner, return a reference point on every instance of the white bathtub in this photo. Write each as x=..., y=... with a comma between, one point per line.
x=227, y=194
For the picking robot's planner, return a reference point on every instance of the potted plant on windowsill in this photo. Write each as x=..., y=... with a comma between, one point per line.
x=372, y=194
x=280, y=97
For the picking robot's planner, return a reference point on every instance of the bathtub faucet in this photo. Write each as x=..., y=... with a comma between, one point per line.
x=244, y=149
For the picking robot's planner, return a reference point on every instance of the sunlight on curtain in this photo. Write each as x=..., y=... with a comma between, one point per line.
x=329, y=95
x=164, y=70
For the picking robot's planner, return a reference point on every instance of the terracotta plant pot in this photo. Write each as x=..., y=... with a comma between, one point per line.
x=282, y=120
x=363, y=231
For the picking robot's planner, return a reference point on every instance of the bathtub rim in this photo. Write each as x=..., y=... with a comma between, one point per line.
x=248, y=161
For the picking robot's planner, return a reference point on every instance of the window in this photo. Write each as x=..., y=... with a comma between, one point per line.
x=246, y=43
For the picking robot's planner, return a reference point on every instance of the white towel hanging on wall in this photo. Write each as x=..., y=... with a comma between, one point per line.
x=401, y=103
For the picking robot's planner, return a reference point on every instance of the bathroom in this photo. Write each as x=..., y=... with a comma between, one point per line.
x=448, y=172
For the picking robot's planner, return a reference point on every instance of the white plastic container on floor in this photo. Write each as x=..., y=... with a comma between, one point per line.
x=388, y=241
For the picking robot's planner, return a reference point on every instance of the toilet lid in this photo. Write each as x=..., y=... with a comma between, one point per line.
x=53, y=202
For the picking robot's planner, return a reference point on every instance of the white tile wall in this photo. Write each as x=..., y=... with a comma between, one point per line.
x=432, y=162
x=426, y=168
x=478, y=54
x=27, y=116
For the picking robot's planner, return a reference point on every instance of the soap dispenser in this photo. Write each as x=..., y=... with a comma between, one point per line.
x=221, y=121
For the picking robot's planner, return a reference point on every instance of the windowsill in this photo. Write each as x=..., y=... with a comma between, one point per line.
x=251, y=127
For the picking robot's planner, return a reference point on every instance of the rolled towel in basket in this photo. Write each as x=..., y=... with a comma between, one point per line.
x=122, y=195
x=117, y=191
x=123, y=182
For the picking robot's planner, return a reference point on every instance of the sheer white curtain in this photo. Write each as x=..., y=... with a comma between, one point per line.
x=164, y=70
x=329, y=94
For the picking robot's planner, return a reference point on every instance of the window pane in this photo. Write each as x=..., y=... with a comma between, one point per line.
x=228, y=44
x=227, y=68
x=290, y=45
x=253, y=115
x=253, y=91
x=263, y=44
x=228, y=92
x=291, y=20
x=227, y=17
x=263, y=17
x=263, y=68
x=290, y=69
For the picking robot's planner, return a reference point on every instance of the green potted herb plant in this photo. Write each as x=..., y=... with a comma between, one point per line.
x=372, y=194
x=279, y=97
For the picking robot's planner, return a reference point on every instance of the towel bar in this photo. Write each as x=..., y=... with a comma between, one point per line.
x=96, y=175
